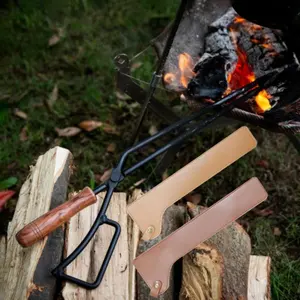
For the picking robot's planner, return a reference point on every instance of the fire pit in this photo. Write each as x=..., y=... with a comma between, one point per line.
x=215, y=52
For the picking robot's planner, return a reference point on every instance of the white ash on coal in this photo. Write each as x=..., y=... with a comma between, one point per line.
x=236, y=52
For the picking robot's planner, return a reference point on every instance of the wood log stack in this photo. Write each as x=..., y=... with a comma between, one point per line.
x=220, y=268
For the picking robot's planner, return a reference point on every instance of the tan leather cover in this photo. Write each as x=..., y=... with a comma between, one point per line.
x=148, y=211
x=155, y=264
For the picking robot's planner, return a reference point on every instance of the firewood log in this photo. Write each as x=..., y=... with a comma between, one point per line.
x=218, y=268
x=25, y=273
x=259, y=278
x=87, y=265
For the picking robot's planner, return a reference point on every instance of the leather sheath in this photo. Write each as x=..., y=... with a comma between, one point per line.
x=148, y=211
x=155, y=264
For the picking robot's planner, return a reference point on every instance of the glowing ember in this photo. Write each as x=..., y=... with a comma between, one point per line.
x=169, y=78
x=185, y=73
x=243, y=73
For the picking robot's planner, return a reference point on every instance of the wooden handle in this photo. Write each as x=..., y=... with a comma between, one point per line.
x=42, y=226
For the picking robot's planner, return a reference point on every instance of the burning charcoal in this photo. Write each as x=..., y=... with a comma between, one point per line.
x=236, y=53
x=210, y=80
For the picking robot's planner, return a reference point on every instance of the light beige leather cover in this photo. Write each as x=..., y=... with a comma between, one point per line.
x=155, y=264
x=148, y=211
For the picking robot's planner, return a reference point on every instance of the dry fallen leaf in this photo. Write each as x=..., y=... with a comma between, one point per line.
x=90, y=125
x=106, y=175
x=68, y=131
x=136, y=65
x=110, y=129
x=153, y=130
x=165, y=175
x=193, y=198
x=55, y=38
x=23, y=134
x=111, y=148
x=19, y=113
x=263, y=164
x=53, y=96
x=122, y=96
x=276, y=231
x=4, y=197
x=263, y=212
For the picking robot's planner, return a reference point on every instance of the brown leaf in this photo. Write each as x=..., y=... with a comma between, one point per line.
x=12, y=165
x=122, y=96
x=165, y=175
x=68, y=131
x=53, y=96
x=111, y=148
x=153, y=130
x=55, y=38
x=23, y=134
x=277, y=231
x=191, y=205
x=106, y=175
x=4, y=197
x=136, y=65
x=90, y=125
x=19, y=113
x=193, y=198
x=263, y=212
x=110, y=129
x=263, y=164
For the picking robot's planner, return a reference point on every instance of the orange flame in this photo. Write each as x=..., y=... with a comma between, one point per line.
x=243, y=75
x=169, y=78
x=186, y=68
x=182, y=77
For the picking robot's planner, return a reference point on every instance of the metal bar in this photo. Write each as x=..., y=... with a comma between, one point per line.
x=157, y=75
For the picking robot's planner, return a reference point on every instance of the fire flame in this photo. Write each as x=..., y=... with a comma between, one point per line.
x=241, y=76
x=181, y=77
x=243, y=73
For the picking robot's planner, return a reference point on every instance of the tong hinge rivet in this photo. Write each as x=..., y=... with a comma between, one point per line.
x=150, y=229
x=157, y=284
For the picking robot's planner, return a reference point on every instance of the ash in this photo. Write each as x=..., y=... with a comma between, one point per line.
x=227, y=37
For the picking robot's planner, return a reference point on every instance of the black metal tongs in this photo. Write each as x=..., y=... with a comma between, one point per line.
x=184, y=129
x=188, y=126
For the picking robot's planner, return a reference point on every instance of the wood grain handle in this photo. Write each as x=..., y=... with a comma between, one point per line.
x=44, y=225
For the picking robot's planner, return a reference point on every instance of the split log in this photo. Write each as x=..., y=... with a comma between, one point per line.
x=119, y=279
x=222, y=267
x=172, y=220
x=259, y=278
x=218, y=268
x=25, y=272
x=133, y=241
x=87, y=265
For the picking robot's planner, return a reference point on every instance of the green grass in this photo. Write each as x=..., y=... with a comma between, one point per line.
x=81, y=64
